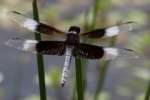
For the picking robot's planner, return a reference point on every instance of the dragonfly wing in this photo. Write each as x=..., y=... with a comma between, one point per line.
x=33, y=25
x=113, y=53
x=109, y=31
x=22, y=44
x=89, y=51
x=51, y=47
x=97, y=52
x=41, y=47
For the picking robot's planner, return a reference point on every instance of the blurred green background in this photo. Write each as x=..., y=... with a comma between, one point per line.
x=119, y=79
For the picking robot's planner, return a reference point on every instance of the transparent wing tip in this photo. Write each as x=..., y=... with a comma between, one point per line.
x=129, y=53
x=112, y=53
x=16, y=16
x=23, y=21
x=127, y=22
x=128, y=25
x=24, y=45
x=15, y=12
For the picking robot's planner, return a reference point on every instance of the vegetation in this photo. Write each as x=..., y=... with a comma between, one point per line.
x=40, y=62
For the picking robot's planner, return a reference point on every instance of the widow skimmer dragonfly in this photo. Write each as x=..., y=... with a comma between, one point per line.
x=71, y=47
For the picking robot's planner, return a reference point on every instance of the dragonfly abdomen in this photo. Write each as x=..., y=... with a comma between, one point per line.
x=68, y=57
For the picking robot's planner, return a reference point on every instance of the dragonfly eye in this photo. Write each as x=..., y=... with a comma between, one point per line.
x=74, y=29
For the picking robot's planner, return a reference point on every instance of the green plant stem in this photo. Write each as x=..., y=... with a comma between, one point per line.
x=95, y=10
x=84, y=63
x=147, y=94
x=80, y=73
x=40, y=62
x=102, y=73
x=79, y=79
x=101, y=78
x=103, y=64
x=74, y=93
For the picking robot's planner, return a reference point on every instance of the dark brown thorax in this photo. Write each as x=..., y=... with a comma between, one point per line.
x=73, y=36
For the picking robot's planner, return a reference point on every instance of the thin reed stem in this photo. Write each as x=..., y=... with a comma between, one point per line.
x=40, y=61
x=79, y=79
x=147, y=94
x=103, y=64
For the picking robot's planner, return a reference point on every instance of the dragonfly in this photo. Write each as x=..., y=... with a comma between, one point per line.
x=71, y=46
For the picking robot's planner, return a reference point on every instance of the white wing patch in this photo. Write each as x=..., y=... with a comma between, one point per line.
x=30, y=24
x=111, y=53
x=112, y=31
x=29, y=45
x=21, y=44
x=24, y=21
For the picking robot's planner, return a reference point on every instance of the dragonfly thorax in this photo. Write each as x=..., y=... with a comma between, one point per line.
x=74, y=30
x=72, y=39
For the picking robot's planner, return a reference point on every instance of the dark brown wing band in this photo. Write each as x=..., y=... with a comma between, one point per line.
x=98, y=33
x=40, y=27
x=89, y=51
x=47, y=29
x=50, y=48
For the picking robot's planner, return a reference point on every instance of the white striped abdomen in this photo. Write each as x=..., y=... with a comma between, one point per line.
x=66, y=67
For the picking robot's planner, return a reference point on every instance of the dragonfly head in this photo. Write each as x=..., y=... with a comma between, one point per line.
x=74, y=30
